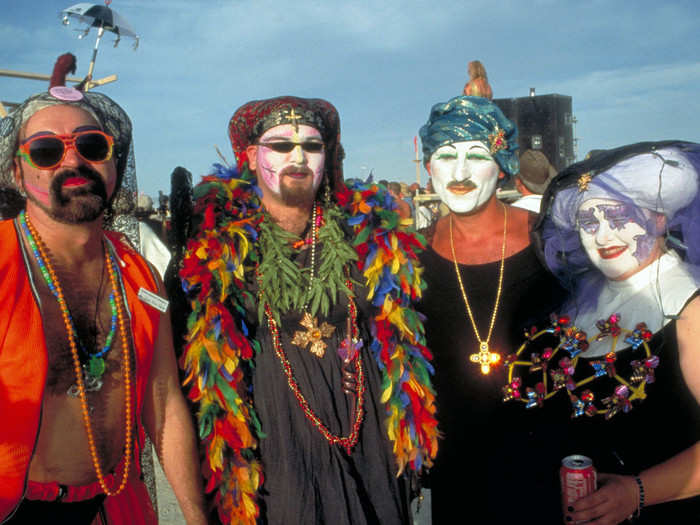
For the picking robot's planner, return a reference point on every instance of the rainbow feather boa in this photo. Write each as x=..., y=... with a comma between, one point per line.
x=218, y=354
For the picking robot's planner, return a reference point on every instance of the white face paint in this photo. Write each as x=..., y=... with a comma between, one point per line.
x=297, y=170
x=613, y=239
x=464, y=175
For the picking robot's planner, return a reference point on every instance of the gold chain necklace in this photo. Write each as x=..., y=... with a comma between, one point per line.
x=485, y=357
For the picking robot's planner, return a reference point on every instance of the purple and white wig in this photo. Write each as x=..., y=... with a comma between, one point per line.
x=661, y=177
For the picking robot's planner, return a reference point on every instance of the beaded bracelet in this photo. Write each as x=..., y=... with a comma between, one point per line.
x=640, y=504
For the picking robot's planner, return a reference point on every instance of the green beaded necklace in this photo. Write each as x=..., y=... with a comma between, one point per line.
x=93, y=364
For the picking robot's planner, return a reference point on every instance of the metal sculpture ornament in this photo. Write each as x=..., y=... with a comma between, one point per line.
x=101, y=17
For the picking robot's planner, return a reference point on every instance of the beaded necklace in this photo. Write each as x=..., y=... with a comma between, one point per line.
x=49, y=274
x=93, y=364
x=349, y=351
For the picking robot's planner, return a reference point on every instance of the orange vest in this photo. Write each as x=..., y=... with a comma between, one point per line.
x=23, y=357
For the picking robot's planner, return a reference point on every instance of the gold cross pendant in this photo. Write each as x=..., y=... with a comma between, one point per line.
x=313, y=335
x=485, y=358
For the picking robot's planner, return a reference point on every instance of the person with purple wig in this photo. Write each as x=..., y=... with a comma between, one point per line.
x=621, y=230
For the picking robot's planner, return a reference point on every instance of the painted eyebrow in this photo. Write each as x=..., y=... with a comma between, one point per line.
x=289, y=139
x=76, y=130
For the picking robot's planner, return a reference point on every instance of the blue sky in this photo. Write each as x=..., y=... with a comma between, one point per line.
x=631, y=67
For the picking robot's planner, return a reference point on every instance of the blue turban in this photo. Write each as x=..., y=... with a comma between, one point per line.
x=472, y=118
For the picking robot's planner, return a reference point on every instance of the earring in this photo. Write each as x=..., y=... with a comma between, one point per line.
x=326, y=191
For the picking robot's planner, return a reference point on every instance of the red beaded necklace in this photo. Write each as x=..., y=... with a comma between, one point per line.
x=126, y=364
x=349, y=441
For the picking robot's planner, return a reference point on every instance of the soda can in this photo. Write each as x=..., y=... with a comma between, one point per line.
x=578, y=478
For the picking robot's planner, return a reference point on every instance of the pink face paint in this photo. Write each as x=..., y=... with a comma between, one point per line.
x=38, y=193
x=271, y=164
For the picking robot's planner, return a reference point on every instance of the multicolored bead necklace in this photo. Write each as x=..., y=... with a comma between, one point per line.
x=93, y=363
x=49, y=274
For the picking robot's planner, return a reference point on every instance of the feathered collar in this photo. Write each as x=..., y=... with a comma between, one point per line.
x=219, y=352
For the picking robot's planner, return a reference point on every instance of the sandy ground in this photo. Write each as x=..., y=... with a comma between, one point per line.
x=169, y=511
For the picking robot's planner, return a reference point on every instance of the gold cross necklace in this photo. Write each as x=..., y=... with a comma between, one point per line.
x=484, y=357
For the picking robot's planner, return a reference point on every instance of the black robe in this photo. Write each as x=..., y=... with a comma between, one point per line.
x=307, y=480
x=497, y=463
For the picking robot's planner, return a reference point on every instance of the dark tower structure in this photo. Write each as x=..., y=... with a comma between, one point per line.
x=546, y=123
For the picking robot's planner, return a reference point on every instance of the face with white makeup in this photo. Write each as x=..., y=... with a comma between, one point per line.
x=289, y=163
x=464, y=175
x=615, y=238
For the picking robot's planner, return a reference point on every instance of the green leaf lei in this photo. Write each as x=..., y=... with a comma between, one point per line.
x=284, y=285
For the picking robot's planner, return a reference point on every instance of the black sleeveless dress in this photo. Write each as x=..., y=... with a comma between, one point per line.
x=657, y=428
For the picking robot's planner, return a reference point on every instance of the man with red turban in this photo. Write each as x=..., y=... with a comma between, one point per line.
x=303, y=354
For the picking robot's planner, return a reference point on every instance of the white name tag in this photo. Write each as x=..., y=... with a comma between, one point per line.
x=156, y=301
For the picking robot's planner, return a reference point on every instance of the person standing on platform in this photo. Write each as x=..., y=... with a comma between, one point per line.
x=478, y=84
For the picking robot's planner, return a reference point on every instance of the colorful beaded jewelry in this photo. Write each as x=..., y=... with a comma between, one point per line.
x=47, y=271
x=93, y=364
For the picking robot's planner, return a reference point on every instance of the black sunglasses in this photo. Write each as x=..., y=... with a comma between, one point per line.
x=45, y=152
x=285, y=146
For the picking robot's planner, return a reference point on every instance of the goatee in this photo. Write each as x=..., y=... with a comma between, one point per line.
x=84, y=203
x=295, y=194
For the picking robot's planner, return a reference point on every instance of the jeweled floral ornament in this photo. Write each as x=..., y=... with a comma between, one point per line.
x=498, y=141
x=314, y=335
x=573, y=373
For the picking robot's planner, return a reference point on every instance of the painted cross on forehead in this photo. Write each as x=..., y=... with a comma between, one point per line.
x=295, y=119
x=287, y=154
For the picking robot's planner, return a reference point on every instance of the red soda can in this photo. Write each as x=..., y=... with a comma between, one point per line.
x=578, y=478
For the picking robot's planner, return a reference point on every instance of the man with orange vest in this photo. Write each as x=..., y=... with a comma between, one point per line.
x=86, y=354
